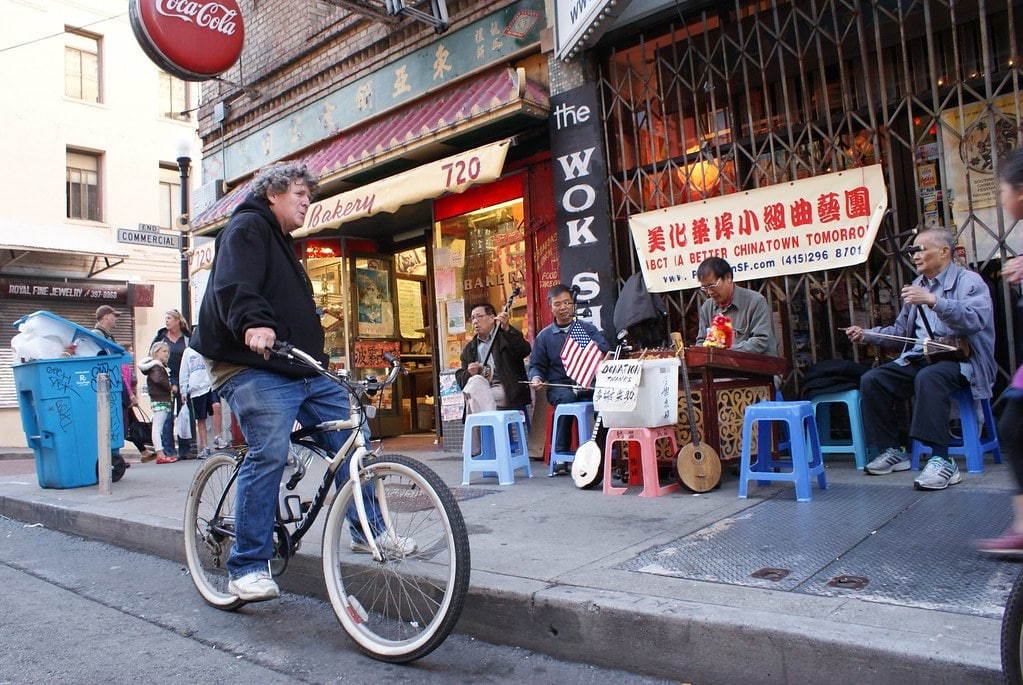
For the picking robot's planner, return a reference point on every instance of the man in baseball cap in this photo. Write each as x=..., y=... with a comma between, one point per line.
x=106, y=319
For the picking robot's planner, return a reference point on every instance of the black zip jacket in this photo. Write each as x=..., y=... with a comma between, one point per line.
x=256, y=280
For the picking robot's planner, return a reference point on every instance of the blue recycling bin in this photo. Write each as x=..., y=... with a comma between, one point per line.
x=57, y=399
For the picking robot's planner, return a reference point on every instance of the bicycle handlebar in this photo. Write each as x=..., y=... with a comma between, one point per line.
x=288, y=351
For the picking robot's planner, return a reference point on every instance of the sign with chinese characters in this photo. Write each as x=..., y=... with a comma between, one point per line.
x=617, y=386
x=488, y=41
x=812, y=224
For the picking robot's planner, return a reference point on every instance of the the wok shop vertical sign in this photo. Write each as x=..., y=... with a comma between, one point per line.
x=192, y=39
x=580, y=199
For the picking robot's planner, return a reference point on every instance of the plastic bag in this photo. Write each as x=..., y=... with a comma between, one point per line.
x=183, y=423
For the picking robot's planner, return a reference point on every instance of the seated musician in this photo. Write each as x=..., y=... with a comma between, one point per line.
x=493, y=370
x=748, y=310
x=547, y=362
x=956, y=301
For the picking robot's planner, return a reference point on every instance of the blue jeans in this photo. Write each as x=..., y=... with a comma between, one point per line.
x=267, y=405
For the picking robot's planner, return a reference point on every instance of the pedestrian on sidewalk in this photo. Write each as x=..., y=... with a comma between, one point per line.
x=1010, y=425
x=194, y=385
x=175, y=333
x=159, y=385
x=106, y=320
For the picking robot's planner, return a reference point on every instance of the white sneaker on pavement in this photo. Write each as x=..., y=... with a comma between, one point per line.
x=938, y=475
x=890, y=460
x=403, y=545
x=257, y=586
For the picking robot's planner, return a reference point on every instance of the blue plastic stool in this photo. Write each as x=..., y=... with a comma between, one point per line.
x=502, y=446
x=973, y=444
x=806, y=461
x=582, y=412
x=857, y=444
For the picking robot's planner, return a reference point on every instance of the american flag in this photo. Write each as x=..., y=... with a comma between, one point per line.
x=580, y=355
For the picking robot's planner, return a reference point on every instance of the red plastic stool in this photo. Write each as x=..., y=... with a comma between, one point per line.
x=645, y=440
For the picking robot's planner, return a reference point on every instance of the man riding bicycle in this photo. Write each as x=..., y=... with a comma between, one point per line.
x=258, y=293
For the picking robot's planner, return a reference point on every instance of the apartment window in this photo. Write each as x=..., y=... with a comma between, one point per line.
x=81, y=66
x=83, y=186
x=170, y=196
x=173, y=97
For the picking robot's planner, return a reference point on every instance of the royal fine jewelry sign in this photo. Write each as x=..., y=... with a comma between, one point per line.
x=824, y=222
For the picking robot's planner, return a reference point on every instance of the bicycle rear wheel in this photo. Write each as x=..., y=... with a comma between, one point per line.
x=401, y=608
x=1012, y=634
x=209, y=528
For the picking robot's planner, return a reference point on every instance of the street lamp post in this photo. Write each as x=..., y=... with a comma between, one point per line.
x=184, y=162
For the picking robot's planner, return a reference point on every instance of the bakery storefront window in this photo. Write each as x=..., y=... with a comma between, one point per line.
x=479, y=256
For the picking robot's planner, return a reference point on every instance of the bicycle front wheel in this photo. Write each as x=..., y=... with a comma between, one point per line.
x=400, y=608
x=209, y=528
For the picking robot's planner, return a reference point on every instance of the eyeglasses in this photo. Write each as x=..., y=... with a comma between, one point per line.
x=713, y=286
x=477, y=317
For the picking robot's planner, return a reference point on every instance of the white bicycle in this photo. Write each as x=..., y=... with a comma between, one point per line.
x=399, y=601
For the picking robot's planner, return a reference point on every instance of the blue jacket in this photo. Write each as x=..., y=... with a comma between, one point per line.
x=545, y=361
x=964, y=307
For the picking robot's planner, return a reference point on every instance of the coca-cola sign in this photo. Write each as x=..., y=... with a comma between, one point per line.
x=191, y=39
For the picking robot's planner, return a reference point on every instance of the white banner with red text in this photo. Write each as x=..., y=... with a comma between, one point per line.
x=824, y=222
x=453, y=174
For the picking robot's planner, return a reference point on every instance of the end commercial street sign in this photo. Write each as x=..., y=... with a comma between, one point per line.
x=148, y=237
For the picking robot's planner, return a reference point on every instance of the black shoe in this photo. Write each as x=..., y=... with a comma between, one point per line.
x=560, y=467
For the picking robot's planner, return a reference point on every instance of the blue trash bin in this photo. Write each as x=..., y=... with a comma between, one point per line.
x=57, y=398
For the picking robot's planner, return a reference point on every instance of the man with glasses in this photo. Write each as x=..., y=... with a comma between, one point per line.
x=748, y=310
x=955, y=302
x=493, y=371
x=546, y=366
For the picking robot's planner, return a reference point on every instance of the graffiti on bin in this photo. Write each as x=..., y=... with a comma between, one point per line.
x=64, y=415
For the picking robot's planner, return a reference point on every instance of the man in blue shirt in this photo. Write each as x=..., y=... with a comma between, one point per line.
x=545, y=364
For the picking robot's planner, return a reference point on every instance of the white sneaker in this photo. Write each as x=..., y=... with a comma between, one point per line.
x=219, y=442
x=257, y=586
x=403, y=545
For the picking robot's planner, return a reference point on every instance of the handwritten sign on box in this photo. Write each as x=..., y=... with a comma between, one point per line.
x=617, y=386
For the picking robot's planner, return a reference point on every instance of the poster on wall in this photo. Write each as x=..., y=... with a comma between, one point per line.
x=373, y=295
x=985, y=131
x=369, y=360
x=410, y=308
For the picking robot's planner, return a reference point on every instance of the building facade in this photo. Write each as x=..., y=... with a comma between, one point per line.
x=91, y=183
x=625, y=108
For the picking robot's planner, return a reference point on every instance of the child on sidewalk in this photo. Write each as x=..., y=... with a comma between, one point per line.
x=159, y=386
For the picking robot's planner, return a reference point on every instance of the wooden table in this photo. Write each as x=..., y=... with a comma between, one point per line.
x=728, y=381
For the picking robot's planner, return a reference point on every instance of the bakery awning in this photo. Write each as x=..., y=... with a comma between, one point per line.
x=98, y=256
x=503, y=99
x=453, y=174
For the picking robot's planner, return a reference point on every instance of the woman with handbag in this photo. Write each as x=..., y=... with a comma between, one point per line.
x=159, y=385
x=129, y=405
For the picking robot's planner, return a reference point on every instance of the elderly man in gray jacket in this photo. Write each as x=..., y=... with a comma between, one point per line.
x=955, y=302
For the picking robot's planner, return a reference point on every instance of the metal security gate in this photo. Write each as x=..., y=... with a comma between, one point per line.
x=744, y=95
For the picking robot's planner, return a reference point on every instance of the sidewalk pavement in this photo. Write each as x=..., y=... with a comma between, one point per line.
x=695, y=588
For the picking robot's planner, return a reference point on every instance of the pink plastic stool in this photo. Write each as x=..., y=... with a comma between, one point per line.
x=645, y=439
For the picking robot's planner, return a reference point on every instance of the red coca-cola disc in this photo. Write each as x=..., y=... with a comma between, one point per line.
x=192, y=39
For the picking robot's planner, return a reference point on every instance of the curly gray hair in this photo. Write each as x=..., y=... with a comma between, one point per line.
x=279, y=176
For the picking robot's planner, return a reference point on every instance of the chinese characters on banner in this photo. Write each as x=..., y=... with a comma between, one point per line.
x=824, y=222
